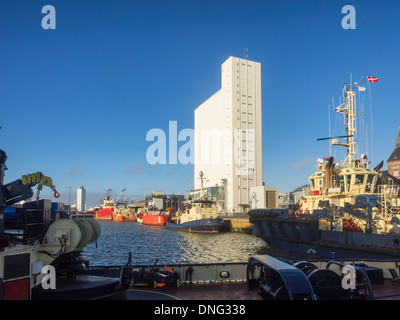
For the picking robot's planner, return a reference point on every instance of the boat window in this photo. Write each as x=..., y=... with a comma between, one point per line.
x=341, y=183
x=370, y=183
x=347, y=182
x=359, y=179
x=312, y=183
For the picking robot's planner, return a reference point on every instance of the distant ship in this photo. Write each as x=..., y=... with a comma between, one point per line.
x=154, y=218
x=106, y=211
x=345, y=213
x=201, y=216
x=116, y=212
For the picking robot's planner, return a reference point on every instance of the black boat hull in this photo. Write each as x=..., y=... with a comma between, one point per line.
x=329, y=250
x=303, y=237
x=201, y=226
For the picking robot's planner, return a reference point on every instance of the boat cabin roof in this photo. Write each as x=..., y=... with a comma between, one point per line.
x=357, y=171
x=345, y=171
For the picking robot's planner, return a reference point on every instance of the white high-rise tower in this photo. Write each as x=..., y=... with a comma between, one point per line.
x=228, y=134
x=81, y=199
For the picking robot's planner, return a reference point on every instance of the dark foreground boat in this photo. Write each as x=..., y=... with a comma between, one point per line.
x=269, y=278
x=44, y=261
x=40, y=254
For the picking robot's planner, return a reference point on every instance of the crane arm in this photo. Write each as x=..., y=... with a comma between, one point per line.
x=21, y=189
x=41, y=180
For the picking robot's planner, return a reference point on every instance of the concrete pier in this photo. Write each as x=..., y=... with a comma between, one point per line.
x=237, y=224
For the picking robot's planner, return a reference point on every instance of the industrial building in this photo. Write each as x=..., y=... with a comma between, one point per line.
x=157, y=200
x=228, y=135
x=263, y=197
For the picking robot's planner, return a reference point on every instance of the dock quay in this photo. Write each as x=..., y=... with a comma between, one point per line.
x=237, y=224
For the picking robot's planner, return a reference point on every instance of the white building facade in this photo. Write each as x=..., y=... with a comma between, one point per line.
x=81, y=199
x=228, y=134
x=263, y=197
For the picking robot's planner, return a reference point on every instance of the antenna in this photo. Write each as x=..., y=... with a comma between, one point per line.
x=329, y=120
x=371, y=120
x=366, y=140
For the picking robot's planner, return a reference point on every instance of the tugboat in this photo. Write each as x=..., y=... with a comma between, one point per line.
x=201, y=216
x=107, y=208
x=44, y=262
x=340, y=183
x=119, y=212
x=345, y=212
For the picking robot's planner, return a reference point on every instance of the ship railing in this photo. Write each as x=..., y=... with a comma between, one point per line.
x=389, y=198
x=390, y=190
x=200, y=273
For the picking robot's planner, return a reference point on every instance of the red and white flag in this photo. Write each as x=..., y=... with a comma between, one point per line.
x=372, y=79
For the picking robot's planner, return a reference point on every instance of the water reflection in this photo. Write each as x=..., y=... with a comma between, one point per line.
x=148, y=243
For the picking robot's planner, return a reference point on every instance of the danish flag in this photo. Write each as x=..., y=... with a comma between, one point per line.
x=372, y=79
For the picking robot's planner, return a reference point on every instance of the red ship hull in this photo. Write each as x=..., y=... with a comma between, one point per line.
x=104, y=214
x=155, y=219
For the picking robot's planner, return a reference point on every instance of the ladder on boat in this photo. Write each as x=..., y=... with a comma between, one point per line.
x=350, y=225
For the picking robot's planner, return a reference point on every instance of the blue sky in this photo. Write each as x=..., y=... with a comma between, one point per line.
x=76, y=102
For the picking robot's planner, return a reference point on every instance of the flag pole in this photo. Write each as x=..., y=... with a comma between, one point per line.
x=371, y=118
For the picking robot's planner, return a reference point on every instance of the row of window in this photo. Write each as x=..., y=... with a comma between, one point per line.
x=345, y=182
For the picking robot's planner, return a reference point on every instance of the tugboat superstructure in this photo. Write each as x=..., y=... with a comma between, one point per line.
x=347, y=211
x=335, y=183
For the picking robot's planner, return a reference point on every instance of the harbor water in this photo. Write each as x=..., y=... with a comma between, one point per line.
x=148, y=243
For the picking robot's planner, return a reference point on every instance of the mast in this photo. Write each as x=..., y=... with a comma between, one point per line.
x=107, y=196
x=201, y=190
x=348, y=108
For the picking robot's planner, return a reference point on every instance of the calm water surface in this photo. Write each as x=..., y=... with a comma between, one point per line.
x=148, y=243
